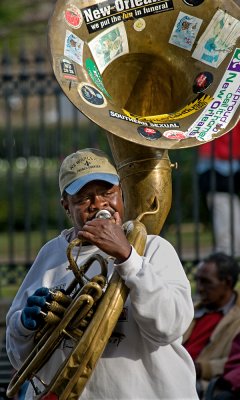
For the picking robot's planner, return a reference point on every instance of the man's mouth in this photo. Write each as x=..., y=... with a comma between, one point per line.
x=101, y=214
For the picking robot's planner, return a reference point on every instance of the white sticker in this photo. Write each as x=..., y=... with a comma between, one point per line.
x=185, y=31
x=109, y=45
x=139, y=24
x=73, y=48
x=226, y=100
x=218, y=39
x=172, y=134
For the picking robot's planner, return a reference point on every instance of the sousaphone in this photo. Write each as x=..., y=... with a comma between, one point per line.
x=156, y=75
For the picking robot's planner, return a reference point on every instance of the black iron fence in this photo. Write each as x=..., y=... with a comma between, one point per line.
x=38, y=127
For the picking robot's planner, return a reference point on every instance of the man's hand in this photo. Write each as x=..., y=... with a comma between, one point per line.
x=31, y=314
x=107, y=234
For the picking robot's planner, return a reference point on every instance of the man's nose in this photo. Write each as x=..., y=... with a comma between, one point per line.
x=98, y=202
x=199, y=286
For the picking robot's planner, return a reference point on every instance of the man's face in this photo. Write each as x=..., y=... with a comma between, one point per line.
x=95, y=196
x=213, y=292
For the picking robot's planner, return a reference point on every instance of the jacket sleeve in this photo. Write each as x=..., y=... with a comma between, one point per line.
x=159, y=290
x=19, y=340
x=212, y=368
x=232, y=366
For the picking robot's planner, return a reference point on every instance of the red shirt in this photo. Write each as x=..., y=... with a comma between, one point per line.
x=220, y=146
x=201, y=333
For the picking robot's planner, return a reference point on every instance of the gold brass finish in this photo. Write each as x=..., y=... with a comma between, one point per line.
x=145, y=175
x=153, y=77
x=54, y=331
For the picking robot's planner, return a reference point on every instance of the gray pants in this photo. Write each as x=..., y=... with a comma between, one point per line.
x=225, y=222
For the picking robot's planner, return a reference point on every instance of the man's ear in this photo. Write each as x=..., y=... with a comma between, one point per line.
x=64, y=203
x=229, y=281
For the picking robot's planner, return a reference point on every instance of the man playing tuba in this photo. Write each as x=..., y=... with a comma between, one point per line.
x=144, y=358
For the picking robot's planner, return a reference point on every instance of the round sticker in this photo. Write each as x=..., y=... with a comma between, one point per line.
x=149, y=133
x=174, y=135
x=193, y=3
x=202, y=82
x=139, y=24
x=73, y=16
x=91, y=95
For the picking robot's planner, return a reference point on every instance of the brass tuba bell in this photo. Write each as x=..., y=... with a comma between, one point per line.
x=156, y=75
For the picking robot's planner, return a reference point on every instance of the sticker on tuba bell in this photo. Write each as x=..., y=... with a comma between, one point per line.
x=139, y=24
x=73, y=16
x=193, y=3
x=202, y=82
x=173, y=134
x=68, y=71
x=149, y=133
x=91, y=95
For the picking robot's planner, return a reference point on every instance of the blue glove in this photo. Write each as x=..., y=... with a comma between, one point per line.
x=31, y=314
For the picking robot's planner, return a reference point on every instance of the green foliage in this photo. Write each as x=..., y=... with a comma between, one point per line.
x=22, y=21
x=10, y=11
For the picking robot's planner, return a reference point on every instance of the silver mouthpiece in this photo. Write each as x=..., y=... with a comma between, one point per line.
x=103, y=214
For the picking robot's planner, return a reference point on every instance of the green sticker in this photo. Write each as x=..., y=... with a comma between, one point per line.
x=95, y=75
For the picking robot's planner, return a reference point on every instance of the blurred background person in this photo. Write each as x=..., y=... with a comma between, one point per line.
x=219, y=182
x=227, y=385
x=216, y=319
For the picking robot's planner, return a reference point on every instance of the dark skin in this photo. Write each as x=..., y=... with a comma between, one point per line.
x=213, y=291
x=106, y=234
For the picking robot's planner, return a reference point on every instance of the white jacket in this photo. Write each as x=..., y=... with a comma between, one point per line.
x=146, y=360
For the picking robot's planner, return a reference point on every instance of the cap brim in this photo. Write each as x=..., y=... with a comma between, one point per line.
x=78, y=184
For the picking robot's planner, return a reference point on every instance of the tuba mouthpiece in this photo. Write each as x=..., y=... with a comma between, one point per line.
x=103, y=214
